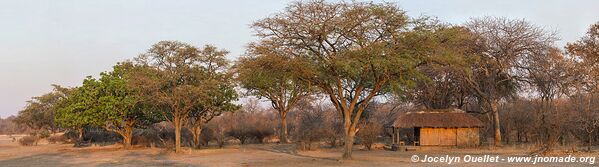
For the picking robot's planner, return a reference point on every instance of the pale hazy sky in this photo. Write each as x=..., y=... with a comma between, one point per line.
x=62, y=41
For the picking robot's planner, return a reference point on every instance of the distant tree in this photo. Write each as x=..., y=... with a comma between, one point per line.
x=8, y=126
x=585, y=50
x=550, y=74
x=39, y=112
x=497, y=73
x=273, y=77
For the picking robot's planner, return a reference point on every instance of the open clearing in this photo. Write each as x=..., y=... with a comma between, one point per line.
x=11, y=154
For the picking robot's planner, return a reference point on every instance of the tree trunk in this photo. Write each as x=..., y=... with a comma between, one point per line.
x=283, y=134
x=127, y=136
x=80, y=134
x=590, y=142
x=197, y=134
x=496, y=124
x=177, y=122
x=349, y=143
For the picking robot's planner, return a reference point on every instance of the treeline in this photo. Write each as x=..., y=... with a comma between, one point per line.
x=353, y=55
x=8, y=126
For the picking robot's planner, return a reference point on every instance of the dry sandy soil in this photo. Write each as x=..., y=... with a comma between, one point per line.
x=11, y=154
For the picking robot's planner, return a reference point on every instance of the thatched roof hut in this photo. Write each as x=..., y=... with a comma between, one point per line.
x=439, y=118
x=441, y=127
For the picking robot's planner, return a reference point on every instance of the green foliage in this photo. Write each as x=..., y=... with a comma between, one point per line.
x=120, y=103
x=81, y=107
x=107, y=102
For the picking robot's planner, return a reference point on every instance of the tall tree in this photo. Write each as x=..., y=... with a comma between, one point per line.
x=267, y=75
x=178, y=81
x=219, y=88
x=356, y=51
x=497, y=74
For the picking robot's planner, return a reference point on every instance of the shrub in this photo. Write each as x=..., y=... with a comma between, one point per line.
x=100, y=136
x=311, y=127
x=44, y=134
x=57, y=139
x=369, y=133
x=146, y=137
x=219, y=130
x=251, y=125
x=206, y=136
x=71, y=135
x=28, y=140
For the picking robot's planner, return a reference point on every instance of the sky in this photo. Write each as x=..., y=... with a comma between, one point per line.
x=62, y=41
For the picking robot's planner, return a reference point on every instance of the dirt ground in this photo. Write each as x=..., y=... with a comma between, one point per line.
x=11, y=154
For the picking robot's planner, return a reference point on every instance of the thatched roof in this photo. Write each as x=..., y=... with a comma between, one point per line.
x=440, y=118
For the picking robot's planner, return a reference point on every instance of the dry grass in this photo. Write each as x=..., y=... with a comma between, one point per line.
x=11, y=154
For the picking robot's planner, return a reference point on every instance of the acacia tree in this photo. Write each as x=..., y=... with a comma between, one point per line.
x=273, y=77
x=442, y=87
x=497, y=75
x=219, y=88
x=178, y=81
x=39, y=112
x=355, y=51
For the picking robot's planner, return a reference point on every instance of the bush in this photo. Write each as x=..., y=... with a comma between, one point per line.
x=219, y=131
x=71, y=135
x=146, y=137
x=369, y=133
x=311, y=127
x=100, y=136
x=57, y=139
x=44, y=134
x=251, y=125
x=161, y=134
x=206, y=136
x=28, y=140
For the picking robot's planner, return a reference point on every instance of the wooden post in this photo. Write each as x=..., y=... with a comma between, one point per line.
x=393, y=135
x=398, y=140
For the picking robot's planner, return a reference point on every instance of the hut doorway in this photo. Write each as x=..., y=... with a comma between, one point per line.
x=416, y=140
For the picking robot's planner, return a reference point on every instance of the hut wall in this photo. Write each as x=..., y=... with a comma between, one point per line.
x=438, y=136
x=468, y=137
x=465, y=137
